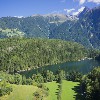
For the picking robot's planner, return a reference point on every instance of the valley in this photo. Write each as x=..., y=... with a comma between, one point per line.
x=84, y=28
x=51, y=56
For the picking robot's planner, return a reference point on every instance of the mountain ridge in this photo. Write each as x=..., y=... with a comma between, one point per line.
x=84, y=28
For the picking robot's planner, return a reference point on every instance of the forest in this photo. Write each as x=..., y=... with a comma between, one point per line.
x=50, y=51
x=23, y=54
x=89, y=88
x=28, y=53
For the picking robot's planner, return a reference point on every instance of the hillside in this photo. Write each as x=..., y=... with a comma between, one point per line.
x=84, y=28
x=21, y=92
x=24, y=54
x=4, y=33
x=35, y=25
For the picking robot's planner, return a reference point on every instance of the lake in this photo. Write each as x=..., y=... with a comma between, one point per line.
x=83, y=66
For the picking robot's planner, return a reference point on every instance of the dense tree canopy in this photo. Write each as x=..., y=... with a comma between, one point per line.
x=22, y=53
x=91, y=85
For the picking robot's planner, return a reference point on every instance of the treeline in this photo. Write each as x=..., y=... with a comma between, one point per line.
x=6, y=81
x=43, y=77
x=15, y=79
x=90, y=85
x=5, y=88
x=17, y=54
x=49, y=76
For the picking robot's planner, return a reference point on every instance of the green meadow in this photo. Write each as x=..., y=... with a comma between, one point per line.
x=53, y=89
x=68, y=92
x=21, y=92
x=25, y=92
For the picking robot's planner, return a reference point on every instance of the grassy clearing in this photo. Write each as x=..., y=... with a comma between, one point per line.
x=25, y=92
x=67, y=90
x=53, y=89
x=21, y=92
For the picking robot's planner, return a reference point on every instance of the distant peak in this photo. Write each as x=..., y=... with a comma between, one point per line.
x=54, y=14
x=19, y=16
x=36, y=15
x=85, y=10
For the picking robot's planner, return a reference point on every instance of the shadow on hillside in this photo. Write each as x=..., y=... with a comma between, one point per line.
x=79, y=95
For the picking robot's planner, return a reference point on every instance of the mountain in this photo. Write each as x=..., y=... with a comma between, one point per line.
x=85, y=10
x=89, y=26
x=35, y=25
x=86, y=30
x=83, y=28
x=4, y=33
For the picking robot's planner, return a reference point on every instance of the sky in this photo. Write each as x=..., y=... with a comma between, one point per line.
x=30, y=7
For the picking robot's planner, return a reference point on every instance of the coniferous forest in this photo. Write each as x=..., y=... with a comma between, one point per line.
x=51, y=57
x=23, y=53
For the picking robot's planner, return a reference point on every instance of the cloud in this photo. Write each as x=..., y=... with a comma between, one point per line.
x=79, y=10
x=94, y=1
x=82, y=2
x=69, y=10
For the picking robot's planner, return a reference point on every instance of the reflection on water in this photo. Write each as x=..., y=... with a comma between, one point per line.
x=83, y=66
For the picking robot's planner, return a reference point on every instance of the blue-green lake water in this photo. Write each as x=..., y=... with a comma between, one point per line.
x=83, y=66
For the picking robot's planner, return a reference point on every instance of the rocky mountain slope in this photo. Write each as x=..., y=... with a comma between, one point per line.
x=84, y=28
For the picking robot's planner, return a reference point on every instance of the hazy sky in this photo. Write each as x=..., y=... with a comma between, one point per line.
x=30, y=7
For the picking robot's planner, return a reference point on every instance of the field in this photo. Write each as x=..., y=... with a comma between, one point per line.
x=21, y=92
x=25, y=92
x=67, y=90
x=53, y=89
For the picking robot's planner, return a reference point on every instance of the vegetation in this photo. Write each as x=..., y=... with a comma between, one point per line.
x=4, y=33
x=36, y=26
x=87, y=86
x=20, y=54
x=41, y=93
x=90, y=85
x=15, y=79
x=21, y=92
x=59, y=91
x=53, y=90
x=54, y=86
x=83, y=29
x=5, y=88
x=49, y=76
x=74, y=76
x=68, y=90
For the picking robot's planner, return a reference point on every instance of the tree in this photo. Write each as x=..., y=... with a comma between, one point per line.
x=23, y=80
x=18, y=78
x=61, y=75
